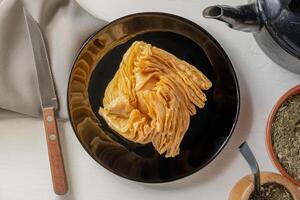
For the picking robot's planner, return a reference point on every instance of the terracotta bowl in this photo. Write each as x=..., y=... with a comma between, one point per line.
x=244, y=187
x=295, y=90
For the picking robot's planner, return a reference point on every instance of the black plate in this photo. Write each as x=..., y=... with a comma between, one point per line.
x=96, y=65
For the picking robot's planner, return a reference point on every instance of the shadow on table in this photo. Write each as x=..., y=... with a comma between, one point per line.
x=68, y=196
x=7, y=115
x=229, y=153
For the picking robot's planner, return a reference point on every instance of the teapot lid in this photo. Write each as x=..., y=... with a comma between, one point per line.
x=282, y=20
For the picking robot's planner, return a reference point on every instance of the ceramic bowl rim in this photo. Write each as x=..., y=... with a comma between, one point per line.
x=291, y=92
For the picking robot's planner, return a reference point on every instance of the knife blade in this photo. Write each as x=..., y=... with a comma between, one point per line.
x=44, y=75
x=49, y=104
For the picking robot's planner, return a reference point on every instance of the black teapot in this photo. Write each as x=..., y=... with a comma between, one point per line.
x=275, y=25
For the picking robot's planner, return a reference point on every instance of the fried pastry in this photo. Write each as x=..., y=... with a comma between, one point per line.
x=152, y=96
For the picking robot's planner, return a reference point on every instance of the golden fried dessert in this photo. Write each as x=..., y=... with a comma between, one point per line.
x=152, y=96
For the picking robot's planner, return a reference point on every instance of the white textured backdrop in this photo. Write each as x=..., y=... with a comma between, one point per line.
x=24, y=169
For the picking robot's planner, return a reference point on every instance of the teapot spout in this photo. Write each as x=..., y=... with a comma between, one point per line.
x=244, y=18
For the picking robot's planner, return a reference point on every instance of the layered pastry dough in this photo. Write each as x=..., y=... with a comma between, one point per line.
x=152, y=96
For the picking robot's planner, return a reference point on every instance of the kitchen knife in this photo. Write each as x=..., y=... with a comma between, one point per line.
x=49, y=104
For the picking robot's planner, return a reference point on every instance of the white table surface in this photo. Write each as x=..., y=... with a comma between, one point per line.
x=24, y=167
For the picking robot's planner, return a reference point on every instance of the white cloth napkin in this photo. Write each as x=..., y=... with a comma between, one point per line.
x=65, y=26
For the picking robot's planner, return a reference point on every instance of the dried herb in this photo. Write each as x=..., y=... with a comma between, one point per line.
x=286, y=136
x=273, y=191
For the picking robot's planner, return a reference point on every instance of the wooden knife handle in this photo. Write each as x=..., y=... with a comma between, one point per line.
x=58, y=173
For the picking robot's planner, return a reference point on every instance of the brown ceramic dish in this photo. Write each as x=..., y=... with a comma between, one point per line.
x=244, y=187
x=295, y=90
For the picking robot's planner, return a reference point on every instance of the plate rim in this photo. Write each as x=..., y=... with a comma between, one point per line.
x=228, y=61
